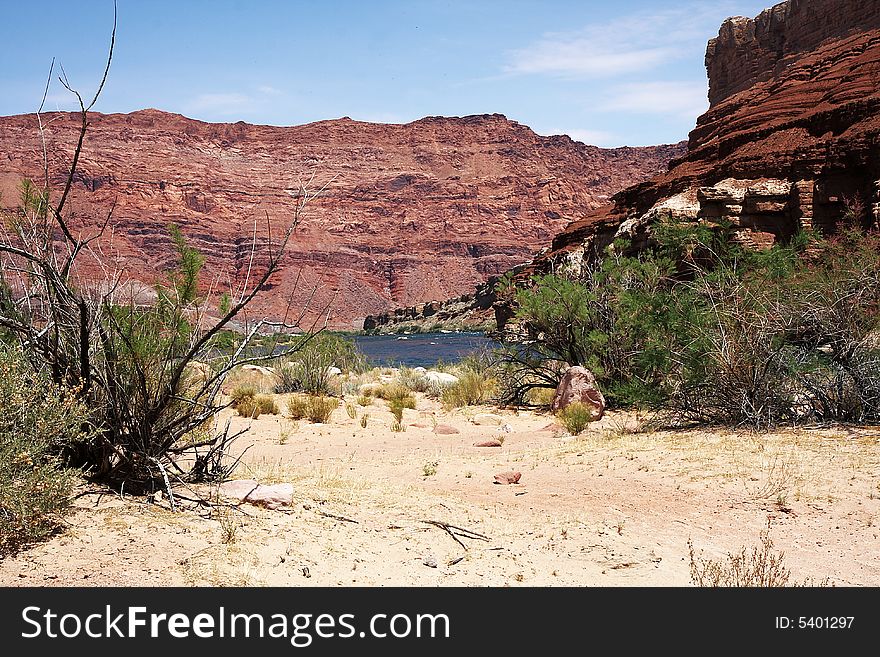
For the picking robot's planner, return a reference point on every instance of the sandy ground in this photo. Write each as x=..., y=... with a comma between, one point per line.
x=615, y=506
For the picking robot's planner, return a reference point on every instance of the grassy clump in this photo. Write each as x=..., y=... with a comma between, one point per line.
x=298, y=407
x=320, y=408
x=266, y=404
x=308, y=369
x=575, y=417
x=397, y=394
x=471, y=389
x=37, y=421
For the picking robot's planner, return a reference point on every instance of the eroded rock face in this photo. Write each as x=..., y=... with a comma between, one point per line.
x=792, y=138
x=407, y=213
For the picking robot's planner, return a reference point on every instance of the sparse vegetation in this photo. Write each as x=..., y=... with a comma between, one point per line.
x=310, y=369
x=575, y=417
x=471, y=389
x=298, y=407
x=38, y=421
x=321, y=408
x=759, y=567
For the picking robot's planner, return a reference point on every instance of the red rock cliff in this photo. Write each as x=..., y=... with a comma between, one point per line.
x=411, y=213
x=792, y=137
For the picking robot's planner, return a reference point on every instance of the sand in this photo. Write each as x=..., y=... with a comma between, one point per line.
x=614, y=506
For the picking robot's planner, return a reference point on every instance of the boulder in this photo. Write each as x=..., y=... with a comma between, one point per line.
x=509, y=477
x=487, y=418
x=579, y=384
x=333, y=371
x=440, y=378
x=488, y=443
x=445, y=429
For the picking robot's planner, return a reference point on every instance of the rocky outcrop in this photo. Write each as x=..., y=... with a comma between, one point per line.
x=792, y=138
x=748, y=50
x=406, y=213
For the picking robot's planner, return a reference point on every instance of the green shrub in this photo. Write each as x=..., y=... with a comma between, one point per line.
x=37, y=422
x=364, y=399
x=320, y=408
x=308, y=369
x=471, y=389
x=575, y=417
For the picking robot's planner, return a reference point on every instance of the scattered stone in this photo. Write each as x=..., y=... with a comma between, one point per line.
x=430, y=561
x=247, y=490
x=333, y=371
x=488, y=443
x=419, y=425
x=487, y=418
x=579, y=384
x=509, y=477
x=419, y=370
x=445, y=429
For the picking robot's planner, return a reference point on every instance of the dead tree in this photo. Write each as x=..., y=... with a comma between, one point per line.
x=135, y=365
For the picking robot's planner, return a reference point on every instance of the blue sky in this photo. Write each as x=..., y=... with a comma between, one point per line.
x=610, y=73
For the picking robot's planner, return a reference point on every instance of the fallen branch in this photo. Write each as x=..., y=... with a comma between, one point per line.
x=461, y=531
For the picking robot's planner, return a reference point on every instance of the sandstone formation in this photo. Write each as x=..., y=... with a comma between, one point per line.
x=407, y=214
x=790, y=140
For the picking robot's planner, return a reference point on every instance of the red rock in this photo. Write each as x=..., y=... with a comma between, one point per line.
x=792, y=130
x=509, y=477
x=445, y=429
x=419, y=425
x=579, y=385
x=488, y=443
x=411, y=213
x=551, y=427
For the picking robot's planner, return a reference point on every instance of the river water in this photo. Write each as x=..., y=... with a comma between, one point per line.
x=420, y=349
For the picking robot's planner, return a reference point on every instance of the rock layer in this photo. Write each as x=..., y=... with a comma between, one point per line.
x=792, y=138
x=407, y=214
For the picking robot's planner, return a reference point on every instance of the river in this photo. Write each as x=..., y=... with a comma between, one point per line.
x=420, y=349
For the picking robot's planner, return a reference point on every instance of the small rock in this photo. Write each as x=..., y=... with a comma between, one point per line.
x=579, y=384
x=488, y=443
x=445, y=429
x=419, y=425
x=430, y=561
x=509, y=477
x=487, y=418
x=551, y=427
x=440, y=378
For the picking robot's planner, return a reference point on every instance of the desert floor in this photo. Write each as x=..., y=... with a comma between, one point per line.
x=615, y=506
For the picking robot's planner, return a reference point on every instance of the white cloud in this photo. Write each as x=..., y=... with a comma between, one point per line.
x=629, y=44
x=683, y=99
x=221, y=104
x=267, y=90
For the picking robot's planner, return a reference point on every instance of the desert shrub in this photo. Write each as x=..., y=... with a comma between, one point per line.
x=37, y=421
x=759, y=567
x=298, y=407
x=320, y=408
x=266, y=404
x=395, y=393
x=364, y=399
x=540, y=396
x=575, y=417
x=308, y=370
x=471, y=389
x=243, y=393
x=248, y=407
